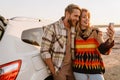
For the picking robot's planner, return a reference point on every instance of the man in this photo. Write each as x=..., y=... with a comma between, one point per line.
x=56, y=44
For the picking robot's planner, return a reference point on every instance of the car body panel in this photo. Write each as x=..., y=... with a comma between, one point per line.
x=13, y=48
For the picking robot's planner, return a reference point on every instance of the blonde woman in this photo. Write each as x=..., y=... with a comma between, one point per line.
x=89, y=45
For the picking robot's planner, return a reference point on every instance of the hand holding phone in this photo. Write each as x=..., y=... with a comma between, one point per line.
x=111, y=24
x=110, y=31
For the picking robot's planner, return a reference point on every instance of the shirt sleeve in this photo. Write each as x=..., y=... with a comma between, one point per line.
x=105, y=47
x=46, y=43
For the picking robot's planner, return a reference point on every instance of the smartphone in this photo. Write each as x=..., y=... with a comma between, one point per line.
x=111, y=24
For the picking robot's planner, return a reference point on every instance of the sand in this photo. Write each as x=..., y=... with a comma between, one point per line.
x=112, y=61
x=112, y=64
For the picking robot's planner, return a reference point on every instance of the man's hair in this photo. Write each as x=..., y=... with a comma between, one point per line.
x=71, y=7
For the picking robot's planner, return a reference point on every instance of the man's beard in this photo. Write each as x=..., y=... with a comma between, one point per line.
x=71, y=23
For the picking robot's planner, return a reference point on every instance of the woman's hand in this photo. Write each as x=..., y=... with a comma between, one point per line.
x=111, y=32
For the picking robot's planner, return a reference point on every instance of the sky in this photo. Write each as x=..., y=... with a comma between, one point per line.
x=101, y=11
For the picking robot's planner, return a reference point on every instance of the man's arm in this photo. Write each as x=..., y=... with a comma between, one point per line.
x=46, y=43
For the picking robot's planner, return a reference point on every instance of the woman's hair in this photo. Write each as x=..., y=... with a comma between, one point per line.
x=84, y=10
x=87, y=32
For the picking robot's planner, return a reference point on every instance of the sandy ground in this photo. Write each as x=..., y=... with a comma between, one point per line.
x=112, y=64
x=112, y=61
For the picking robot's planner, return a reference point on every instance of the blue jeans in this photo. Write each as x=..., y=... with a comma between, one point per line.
x=81, y=76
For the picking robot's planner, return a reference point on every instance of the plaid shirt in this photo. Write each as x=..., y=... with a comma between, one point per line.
x=54, y=42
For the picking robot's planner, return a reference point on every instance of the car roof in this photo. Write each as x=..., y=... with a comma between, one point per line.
x=12, y=37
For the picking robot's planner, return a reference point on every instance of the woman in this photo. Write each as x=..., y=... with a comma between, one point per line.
x=89, y=45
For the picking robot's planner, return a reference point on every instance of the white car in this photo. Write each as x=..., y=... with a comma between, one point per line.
x=20, y=40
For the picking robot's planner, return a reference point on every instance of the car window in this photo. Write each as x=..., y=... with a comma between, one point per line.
x=1, y=32
x=32, y=36
x=3, y=24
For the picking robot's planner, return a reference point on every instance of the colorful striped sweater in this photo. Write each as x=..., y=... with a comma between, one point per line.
x=88, y=55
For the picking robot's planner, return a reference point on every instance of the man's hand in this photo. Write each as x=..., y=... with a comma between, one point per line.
x=49, y=63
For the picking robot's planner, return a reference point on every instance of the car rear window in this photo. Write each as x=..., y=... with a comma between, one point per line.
x=32, y=36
